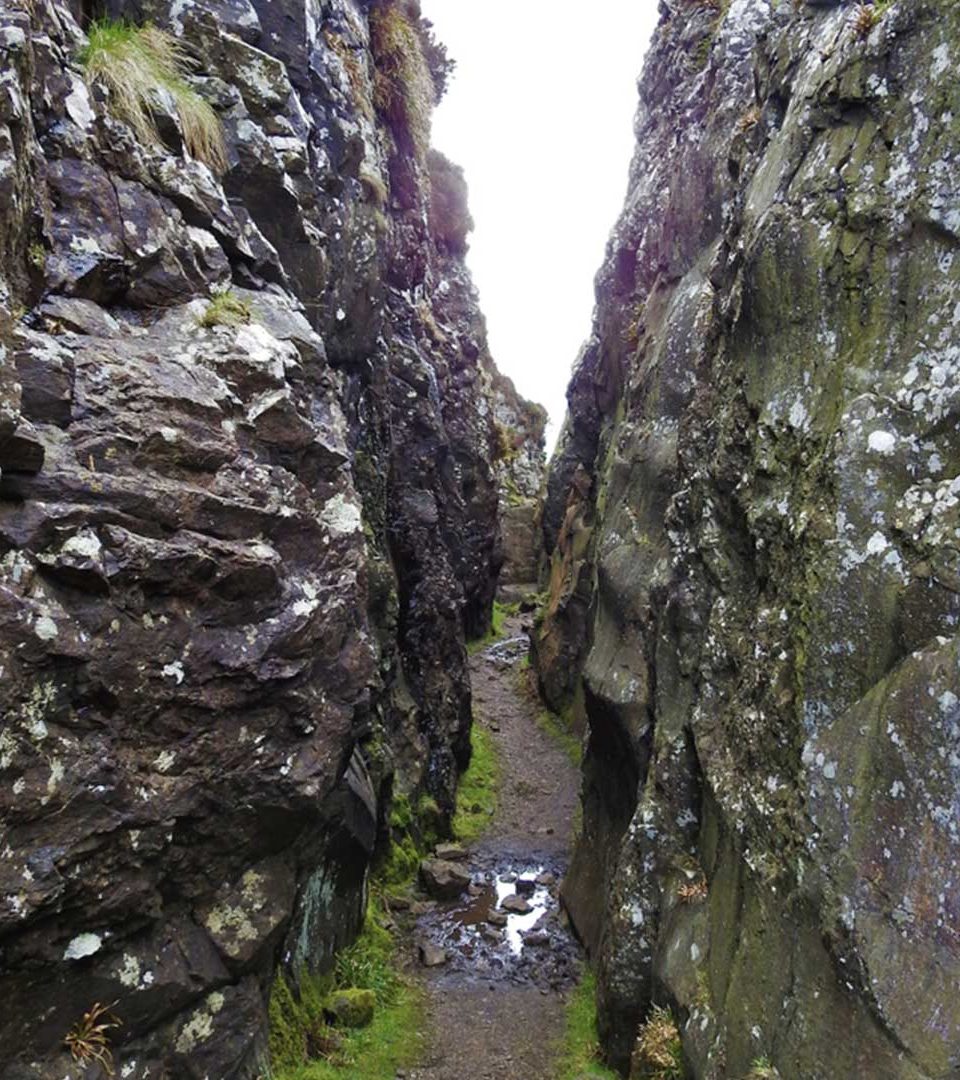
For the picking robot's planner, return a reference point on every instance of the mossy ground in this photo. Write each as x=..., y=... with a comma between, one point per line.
x=477, y=793
x=414, y=830
x=579, y=1055
x=304, y=1047
x=393, y=1041
x=558, y=728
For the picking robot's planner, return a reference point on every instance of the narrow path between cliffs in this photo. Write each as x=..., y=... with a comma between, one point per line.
x=495, y=1000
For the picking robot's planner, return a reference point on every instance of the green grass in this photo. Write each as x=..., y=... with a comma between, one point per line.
x=392, y=1041
x=579, y=1056
x=225, y=309
x=557, y=729
x=477, y=792
x=134, y=64
x=498, y=619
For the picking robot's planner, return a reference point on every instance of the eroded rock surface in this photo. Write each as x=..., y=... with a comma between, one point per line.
x=751, y=524
x=237, y=562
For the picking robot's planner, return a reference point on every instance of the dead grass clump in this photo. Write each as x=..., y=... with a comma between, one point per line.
x=658, y=1054
x=89, y=1040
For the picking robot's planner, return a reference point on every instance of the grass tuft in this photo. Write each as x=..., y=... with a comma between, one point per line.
x=761, y=1069
x=225, y=309
x=136, y=64
x=477, y=792
x=89, y=1039
x=404, y=90
x=580, y=1053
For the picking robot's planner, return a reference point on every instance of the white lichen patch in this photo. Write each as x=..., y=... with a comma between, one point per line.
x=233, y=926
x=129, y=972
x=341, y=516
x=83, y=945
x=199, y=1027
x=45, y=628
x=174, y=671
x=164, y=761
x=882, y=442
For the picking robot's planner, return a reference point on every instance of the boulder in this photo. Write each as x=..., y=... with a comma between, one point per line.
x=444, y=880
x=351, y=1008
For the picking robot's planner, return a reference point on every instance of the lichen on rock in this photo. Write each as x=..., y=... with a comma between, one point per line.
x=749, y=525
x=248, y=513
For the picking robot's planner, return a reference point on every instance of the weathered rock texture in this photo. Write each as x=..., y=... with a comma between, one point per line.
x=520, y=465
x=237, y=563
x=752, y=522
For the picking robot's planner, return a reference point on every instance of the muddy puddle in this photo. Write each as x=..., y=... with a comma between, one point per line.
x=509, y=927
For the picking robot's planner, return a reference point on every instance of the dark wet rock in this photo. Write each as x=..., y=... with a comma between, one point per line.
x=444, y=880
x=748, y=520
x=520, y=461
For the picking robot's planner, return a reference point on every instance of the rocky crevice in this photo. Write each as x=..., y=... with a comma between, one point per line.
x=237, y=562
x=749, y=527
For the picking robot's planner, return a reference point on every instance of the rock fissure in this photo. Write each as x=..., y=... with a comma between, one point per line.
x=261, y=482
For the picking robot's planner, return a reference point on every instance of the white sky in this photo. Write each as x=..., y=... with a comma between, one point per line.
x=540, y=115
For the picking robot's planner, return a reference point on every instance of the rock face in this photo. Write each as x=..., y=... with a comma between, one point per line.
x=237, y=558
x=752, y=525
x=520, y=465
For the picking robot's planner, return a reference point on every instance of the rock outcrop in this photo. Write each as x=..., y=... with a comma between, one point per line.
x=247, y=513
x=752, y=527
x=520, y=465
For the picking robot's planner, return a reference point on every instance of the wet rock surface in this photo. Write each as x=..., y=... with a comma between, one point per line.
x=749, y=522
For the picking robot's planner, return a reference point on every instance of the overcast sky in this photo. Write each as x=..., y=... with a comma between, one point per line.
x=540, y=115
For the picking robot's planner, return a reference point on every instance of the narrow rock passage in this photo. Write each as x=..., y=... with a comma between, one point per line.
x=496, y=1009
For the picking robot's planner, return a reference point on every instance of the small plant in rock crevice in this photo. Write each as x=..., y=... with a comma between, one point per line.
x=89, y=1040
x=868, y=15
x=225, y=309
x=658, y=1054
x=137, y=66
x=761, y=1069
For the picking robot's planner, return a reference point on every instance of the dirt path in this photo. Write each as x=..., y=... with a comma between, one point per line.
x=496, y=1008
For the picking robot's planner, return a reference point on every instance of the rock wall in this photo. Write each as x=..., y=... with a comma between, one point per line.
x=752, y=526
x=238, y=560
x=520, y=465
